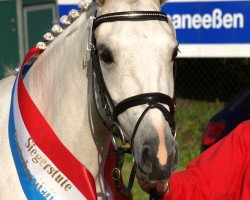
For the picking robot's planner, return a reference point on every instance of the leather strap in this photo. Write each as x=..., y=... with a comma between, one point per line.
x=130, y=16
x=141, y=99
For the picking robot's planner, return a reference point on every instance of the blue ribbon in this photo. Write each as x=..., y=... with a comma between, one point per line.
x=29, y=184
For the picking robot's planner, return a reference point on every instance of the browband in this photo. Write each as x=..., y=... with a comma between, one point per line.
x=130, y=16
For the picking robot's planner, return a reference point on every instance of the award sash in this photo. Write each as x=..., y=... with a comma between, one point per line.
x=46, y=168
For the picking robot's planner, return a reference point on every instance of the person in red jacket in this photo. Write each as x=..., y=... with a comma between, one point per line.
x=222, y=172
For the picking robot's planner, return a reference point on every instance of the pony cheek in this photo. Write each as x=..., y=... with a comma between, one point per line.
x=126, y=126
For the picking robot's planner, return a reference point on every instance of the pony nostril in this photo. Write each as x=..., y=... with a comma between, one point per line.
x=146, y=159
x=145, y=155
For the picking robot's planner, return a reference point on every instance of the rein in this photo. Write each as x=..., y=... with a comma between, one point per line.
x=113, y=110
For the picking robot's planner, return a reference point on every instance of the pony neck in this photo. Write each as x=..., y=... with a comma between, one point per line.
x=61, y=88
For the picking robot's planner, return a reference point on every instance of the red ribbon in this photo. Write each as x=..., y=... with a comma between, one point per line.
x=46, y=139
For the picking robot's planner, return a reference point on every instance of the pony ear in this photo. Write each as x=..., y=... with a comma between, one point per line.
x=100, y=1
x=163, y=1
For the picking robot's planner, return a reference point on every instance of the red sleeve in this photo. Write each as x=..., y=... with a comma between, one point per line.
x=221, y=172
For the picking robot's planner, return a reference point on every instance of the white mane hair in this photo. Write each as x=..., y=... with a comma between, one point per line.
x=60, y=85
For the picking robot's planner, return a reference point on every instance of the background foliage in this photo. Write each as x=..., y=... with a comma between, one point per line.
x=211, y=79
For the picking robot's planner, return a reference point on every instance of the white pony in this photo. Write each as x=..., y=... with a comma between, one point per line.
x=135, y=58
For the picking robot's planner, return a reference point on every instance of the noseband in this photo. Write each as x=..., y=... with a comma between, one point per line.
x=113, y=110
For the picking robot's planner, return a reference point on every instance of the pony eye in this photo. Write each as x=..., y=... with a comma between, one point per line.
x=175, y=53
x=106, y=56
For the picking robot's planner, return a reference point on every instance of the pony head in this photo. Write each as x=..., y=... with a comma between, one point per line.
x=137, y=58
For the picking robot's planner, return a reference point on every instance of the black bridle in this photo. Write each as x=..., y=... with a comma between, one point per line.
x=113, y=110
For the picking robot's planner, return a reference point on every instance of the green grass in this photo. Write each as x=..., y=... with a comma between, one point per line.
x=191, y=117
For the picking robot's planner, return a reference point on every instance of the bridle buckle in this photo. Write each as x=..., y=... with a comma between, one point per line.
x=116, y=174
